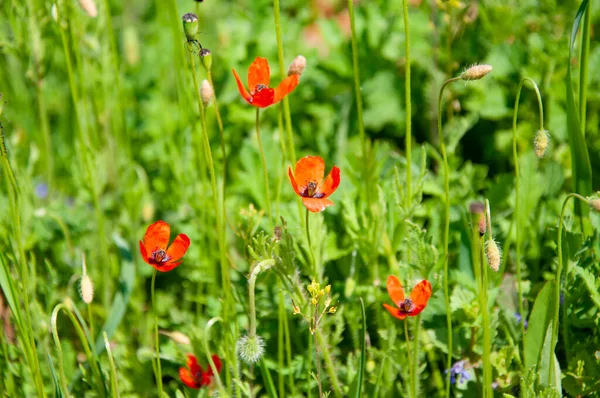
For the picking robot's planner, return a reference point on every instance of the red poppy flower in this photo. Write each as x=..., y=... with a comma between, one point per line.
x=154, y=248
x=407, y=306
x=307, y=181
x=261, y=95
x=194, y=376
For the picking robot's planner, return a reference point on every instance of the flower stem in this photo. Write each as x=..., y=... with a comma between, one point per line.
x=411, y=368
x=317, y=360
x=483, y=293
x=265, y=170
x=310, y=246
x=157, y=368
x=446, y=228
x=408, y=132
x=517, y=186
x=583, y=66
x=557, y=284
x=331, y=371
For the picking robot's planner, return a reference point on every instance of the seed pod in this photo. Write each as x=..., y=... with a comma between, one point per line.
x=297, y=66
x=476, y=72
x=206, y=58
x=190, y=25
x=595, y=204
x=250, y=349
x=492, y=252
x=540, y=143
x=206, y=92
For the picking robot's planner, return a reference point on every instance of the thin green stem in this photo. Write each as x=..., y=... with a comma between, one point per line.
x=408, y=132
x=446, y=229
x=157, y=367
x=265, y=169
x=114, y=385
x=91, y=319
x=258, y=268
x=331, y=370
x=411, y=367
x=517, y=214
x=487, y=340
x=317, y=359
x=583, y=66
x=285, y=104
x=557, y=283
x=416, y=342
x=310, y=246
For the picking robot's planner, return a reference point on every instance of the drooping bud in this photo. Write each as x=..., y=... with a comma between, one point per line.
x=86, y=288
x=177, y=337
x=89, y=7
x=476, y=72
x=206, y=58
x=297, y=66
x=477, y=209
x=595, y=204
x=540, y=143
x=206, y=92
x=190, y=25
x=250, y=349
x=492, y=252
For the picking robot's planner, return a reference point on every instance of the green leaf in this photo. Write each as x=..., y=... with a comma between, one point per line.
x=580, y=159
x=590, y=283
x=539, y=321
x=6, y=284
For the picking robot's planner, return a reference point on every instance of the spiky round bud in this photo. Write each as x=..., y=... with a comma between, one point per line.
x=250, y=349
x=595, y=204
x=89, y=7
x=206, y=92
x=492, y=252
x=540, y=143
x=190, y=25
x=86, y=289
x=297, y=66
x=476, y=72
x=206, y=58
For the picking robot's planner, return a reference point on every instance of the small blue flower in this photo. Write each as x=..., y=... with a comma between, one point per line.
x=458, y=369
x=41, y=190
x=519, y=318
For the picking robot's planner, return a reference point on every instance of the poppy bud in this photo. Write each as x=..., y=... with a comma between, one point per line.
x=86, y=289
x=250, y=349
x=297, y=66
x=148, y=212
x=54, y=12
x=492, y=252
x=277, y=232
x=190, y=25
x=482, y=225
x=206, y=92
x=131, y=44
x=540, y=143
x=206, y=58
x=177, y=337
x=476, y=72
x=89, y=7
x=595, y=204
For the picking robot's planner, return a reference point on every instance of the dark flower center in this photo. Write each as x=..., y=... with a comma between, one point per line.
x=407, y=306
x=311, y=191
x=259, y=87
x=160, y=256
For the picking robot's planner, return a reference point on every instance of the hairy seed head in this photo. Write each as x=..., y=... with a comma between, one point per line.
x=86, y=289
x=492, y=252
x=595, y=204
x=540, y=143
x=250, y=349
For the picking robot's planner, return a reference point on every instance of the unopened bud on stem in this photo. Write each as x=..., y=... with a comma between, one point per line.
x=206, y=58
x=540, y=143
x=297, y=66
x=206, y=92
x=190, y=25
x=476, y=72
x=89, y=7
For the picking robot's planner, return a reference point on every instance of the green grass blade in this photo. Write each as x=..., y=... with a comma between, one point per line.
x=267, y=379
x=580, y=159
x=363, y=332
x=57, y=389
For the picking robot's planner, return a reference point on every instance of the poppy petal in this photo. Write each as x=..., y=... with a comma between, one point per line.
x=293, y=180
x=166, y=267
x=178, y=247
x=192, y=364
x=286, y=86
x=309, y=168
x=316, y=204
x=394, y=311
x=263, y=98
x=258, y=73
x=332, y=181
x=395, y=290
x=143, y=252
x=188, y=379
x=420, y=296
x=157, y=236
x=243, y=92
x=217, y=362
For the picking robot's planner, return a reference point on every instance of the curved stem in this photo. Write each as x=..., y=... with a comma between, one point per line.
x=310, y=247
x=446, y=229
x=408, y=132
x=258, y=268
x=157, y=368
x=557, y=282
x=265, y=170
x=517, y=201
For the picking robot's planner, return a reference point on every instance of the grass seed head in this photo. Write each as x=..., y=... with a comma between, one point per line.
x=540, y=143
x=190, y=25
x=492, y=252
x=297, y=66
x=206, y=92
x=476, y=72
x=89, y=6
x=250, y=349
